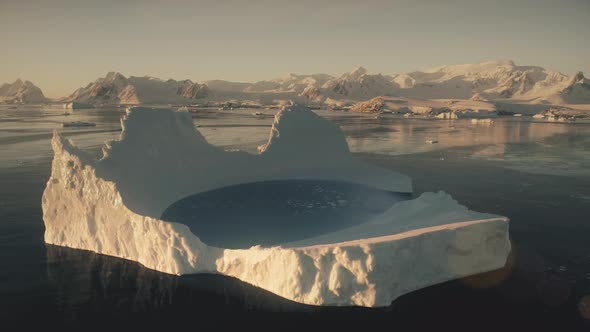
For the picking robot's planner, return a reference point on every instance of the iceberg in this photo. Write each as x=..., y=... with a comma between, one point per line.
x=562, y=114
x=76, y=105
x=78, y=123
x=447, y=116
x=114, y=206
x=482, y=121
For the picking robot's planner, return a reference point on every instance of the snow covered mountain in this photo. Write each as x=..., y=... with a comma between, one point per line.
x=358, y=85
x=303, y=88
x=21, y=92
x=502, y=81
x=290, y=83
x=575, y=91
x=115, y=88
x=494, y=80
x=355, y=85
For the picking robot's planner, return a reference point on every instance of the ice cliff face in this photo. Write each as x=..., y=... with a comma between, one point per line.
x=113, y=205
x=21, y=92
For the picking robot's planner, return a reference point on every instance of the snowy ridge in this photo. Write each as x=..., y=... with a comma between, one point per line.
x=21, y=92
x=115, y=88
x=359, y=85
x=493, y=80
x=496, y=80
x=98, y=205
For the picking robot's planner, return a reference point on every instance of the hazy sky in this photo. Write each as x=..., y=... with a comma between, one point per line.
x=63, y=44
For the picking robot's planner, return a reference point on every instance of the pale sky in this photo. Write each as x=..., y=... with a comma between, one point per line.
x=61, y=45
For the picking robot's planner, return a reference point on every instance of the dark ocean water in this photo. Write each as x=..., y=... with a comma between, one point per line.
x=545, y=286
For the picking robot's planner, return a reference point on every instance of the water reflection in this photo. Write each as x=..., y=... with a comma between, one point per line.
x=87, y=283
x=25, y=135
x=94, y=290
x=25, y=132
x=521, y=144
x=410, y=135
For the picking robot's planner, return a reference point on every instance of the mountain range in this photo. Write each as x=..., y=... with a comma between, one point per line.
x=486, y=81
x=115, y=88
x=21, y=92
x=497, y=80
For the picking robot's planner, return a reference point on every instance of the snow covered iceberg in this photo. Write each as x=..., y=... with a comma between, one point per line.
x=114, y=205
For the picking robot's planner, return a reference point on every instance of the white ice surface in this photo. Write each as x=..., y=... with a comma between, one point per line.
x=112, y=206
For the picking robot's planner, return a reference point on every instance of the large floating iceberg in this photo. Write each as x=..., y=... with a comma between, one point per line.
x=114, y=206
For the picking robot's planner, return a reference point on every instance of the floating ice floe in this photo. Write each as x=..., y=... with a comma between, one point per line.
x=447, y=116
x=78, y=124
x=77, y=105
x=482, y=121
x=560, y=114
x=114, y=205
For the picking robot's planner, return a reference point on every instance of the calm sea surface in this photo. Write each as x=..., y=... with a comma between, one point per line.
x=536, y=173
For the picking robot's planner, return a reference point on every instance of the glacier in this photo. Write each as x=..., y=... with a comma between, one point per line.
x=113, y=206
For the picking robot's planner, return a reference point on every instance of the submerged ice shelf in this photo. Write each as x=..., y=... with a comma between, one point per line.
x=275, y=212
x=114, y=206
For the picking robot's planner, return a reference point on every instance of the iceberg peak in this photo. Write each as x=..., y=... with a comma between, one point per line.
x=297, y=132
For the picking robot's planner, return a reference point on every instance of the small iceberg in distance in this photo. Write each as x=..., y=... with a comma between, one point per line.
x=78, y=105
x=115, y=206
x=488, y=122
x=78, y=124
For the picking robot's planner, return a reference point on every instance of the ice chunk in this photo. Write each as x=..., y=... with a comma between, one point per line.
x=447, y=116
x=77, y=105
x=482, y=121
x=78, y=124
